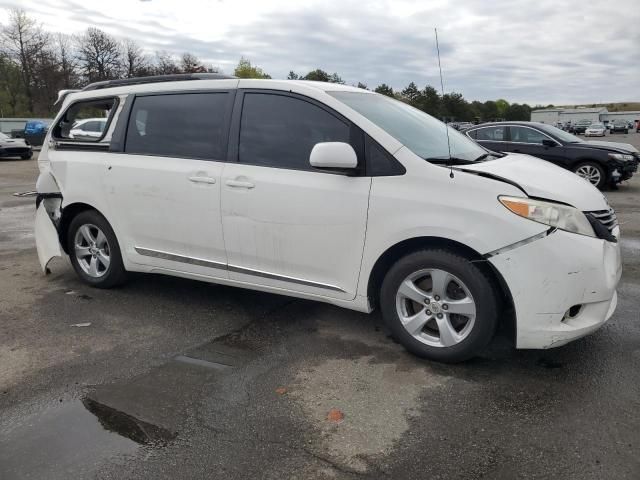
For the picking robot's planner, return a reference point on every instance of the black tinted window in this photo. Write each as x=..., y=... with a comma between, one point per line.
x=181, y=125
x=380, y=162
x=526, y=135
x=280, y=131
x=495, y=134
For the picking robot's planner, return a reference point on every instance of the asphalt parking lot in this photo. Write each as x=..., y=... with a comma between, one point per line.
x=171, y=378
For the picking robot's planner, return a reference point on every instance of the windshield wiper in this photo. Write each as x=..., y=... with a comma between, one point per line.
x=482, y=157
x=462, y=161
x=447, y=160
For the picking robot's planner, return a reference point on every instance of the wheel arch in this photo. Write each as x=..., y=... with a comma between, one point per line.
x=507, y=317
x=581, y=160
x=69, y=212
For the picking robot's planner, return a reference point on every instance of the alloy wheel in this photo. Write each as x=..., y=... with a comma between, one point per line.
x=589, y=173
x=436, y=307
x=92, y=251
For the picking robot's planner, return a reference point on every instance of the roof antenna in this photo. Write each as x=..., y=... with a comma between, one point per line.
x=442, y=90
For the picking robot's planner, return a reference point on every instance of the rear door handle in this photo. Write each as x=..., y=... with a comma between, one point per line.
x=239, y=184
x=199, y=179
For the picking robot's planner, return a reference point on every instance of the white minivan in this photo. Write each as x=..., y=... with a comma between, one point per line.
x=331, y=193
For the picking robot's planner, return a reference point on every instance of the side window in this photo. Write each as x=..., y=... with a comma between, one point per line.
x=280, y=131
x=190, y=125
x=495, y=134
x=380, y=162
x=526, y=135
x=472, y=134
x=85, y=121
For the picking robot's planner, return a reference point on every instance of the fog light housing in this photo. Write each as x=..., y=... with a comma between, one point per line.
x=573, y=312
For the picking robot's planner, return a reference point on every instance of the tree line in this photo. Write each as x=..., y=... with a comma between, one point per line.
x=36, y=64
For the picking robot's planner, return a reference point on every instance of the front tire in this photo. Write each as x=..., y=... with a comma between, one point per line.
x=94, y=250
x=592, y=172
x=28, y=156
x=439, y=305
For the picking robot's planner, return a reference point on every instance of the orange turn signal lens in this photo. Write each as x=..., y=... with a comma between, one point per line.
x=519, y=208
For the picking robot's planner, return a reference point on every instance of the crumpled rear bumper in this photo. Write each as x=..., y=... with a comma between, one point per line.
x=47, y=240
x=549, y=276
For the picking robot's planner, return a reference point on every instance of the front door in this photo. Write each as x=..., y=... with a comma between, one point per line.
x=287, y=225
x=165, y=187
x=529, y=140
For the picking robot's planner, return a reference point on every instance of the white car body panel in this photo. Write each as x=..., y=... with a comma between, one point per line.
x=159, y=205
x=578, y=270
x=545, y=180
x=47, y=244
x=302, y=225
x=299, y=232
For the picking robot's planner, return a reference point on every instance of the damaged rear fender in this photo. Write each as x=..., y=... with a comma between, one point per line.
x=48, y=215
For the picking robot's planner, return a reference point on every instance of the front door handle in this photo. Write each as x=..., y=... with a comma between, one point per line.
x=239, y=184
x=199, y=179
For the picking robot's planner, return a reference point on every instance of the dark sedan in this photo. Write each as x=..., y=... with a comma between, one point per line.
x=620, y=126
x=603, y=164
x=14, y=147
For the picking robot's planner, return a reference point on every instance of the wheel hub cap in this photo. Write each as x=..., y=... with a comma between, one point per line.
x=92, y=250
x=435, y=307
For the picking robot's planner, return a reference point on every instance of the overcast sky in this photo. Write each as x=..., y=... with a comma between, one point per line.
x=534, y=51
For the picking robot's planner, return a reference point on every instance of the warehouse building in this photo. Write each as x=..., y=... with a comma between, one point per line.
x=574, y=115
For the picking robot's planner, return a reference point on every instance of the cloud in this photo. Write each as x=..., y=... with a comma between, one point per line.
x=536, y=52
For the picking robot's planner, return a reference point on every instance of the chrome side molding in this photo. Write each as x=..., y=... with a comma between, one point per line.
x=180, y=258
x=147, y=252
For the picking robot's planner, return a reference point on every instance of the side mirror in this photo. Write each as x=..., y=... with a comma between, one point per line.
x=338, y=156
x=548, y=143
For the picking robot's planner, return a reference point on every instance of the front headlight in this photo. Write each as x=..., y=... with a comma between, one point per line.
x=555, y=215
x=620, y=156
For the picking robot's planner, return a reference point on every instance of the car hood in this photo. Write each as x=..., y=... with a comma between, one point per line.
x=614, y=146
x=541, y=179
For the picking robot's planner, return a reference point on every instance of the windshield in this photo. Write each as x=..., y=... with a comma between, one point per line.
x=563, y=136
x=597, y=125
x=419, y=132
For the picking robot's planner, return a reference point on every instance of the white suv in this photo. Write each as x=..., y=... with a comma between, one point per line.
x=331, y=193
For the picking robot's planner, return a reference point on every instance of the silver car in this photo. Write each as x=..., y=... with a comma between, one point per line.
x=595, y=130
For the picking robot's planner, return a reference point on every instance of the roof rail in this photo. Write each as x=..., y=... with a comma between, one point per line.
x=155, y=79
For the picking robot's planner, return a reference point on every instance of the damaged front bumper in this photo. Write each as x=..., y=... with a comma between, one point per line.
x=563, y=286
x=48, y=217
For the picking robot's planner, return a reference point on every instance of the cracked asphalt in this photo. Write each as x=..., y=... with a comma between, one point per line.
x=179, y=379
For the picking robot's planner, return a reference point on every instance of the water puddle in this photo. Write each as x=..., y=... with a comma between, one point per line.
x=72, y=440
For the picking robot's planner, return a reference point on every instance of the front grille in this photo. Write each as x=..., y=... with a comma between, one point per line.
x=605, y=217
x=15, y=150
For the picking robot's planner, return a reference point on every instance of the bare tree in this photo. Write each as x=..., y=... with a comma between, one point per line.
x=24, y=41
x=166, y=64
x=67, y=62
x=189, y=63
x=136, y=63
x=100, y=55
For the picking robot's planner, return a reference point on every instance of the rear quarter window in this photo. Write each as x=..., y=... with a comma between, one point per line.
x=95, y=114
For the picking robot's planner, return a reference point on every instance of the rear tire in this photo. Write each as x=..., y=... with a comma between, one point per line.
x=439, y=305
x=94, y=251
x=592, y=172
